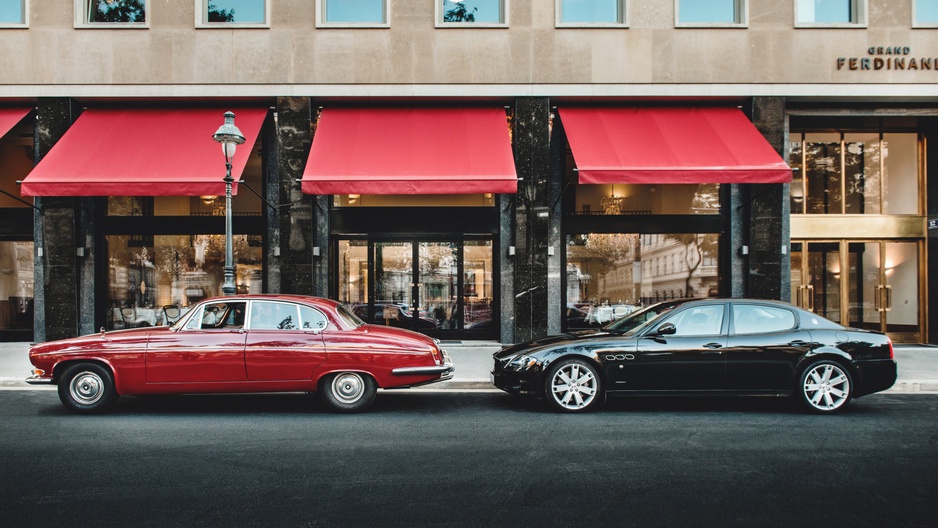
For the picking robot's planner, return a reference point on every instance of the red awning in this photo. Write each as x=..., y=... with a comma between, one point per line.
x=143, y=152
x=411, y=151
x=9, y=117
x=670, y=145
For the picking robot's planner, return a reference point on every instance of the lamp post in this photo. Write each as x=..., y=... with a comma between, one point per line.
x=230, y=137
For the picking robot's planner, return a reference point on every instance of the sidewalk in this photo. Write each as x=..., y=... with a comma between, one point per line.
x=918, y=367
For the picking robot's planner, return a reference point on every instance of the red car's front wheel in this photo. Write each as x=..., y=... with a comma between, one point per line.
x=87, y=388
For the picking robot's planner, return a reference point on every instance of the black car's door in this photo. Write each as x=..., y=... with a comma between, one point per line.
x=763, y=347
x=690, y=358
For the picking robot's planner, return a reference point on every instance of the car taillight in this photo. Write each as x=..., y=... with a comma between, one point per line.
x=892, y=353
x=437, y=356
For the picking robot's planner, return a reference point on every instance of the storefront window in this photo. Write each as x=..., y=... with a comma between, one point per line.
x=16, y=285
x=152, y=280
x=854, y=173
x=631, y=199
x=577, y=12
x=351, y=12
x=609, y=275
x=234, y=11
x=478, y=285
x=471, y=11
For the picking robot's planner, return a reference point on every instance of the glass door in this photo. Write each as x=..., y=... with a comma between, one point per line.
x=881, y=287
x=394, y=291
x=437, y=291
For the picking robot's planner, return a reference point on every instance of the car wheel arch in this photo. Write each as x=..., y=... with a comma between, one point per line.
x=59, y=368
x=320, y=376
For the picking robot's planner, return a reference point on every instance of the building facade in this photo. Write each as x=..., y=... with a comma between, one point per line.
x=482, y=169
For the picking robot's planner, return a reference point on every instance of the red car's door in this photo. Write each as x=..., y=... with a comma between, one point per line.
x=284, y=341
x=209, y=349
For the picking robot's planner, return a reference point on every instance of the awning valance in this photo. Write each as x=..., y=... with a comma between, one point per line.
x=411, y=151
x=143, y=152
x=670, y=145
x=9, y=117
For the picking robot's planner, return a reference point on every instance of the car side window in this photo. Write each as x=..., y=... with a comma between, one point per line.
x=699, y=321
x=274, y=316
x=221, y=315
x=313, y=319
x=756, y=319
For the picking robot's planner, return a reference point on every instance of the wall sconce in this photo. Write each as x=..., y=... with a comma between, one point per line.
x=207, y=200
x=276, y=251
x=316, y=251
x=511, y=251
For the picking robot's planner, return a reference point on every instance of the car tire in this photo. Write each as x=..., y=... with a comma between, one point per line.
x=348, y=392
x=87, y=388
x=573, y=386
x=825, y=387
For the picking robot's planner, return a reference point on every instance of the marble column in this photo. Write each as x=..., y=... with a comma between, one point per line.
x=56, y=281
x=931, y=170
x=531, y=145
x=296, y=223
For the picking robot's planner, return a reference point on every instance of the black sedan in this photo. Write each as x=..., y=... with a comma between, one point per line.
x=709, y=346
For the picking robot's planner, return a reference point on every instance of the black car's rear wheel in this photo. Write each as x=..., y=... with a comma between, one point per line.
x=825, y=386
x=348, y=391
x=573, y=385
x=87, y=388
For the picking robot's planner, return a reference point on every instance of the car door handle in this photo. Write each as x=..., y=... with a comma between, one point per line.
x=798, y=343
x=713, y=345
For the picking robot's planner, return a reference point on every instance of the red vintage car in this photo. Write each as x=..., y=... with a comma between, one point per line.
x=244, y=343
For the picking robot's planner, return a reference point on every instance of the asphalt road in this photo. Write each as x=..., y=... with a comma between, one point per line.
x=423, y=458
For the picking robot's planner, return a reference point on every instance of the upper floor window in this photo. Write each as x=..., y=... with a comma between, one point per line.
x=352, y=13
x=118, y=13
x=14, y=13
x=484, y=13
x=830, y=13
x=215, y=13
x=590, y=13
x=709, y=13
x=925, y=13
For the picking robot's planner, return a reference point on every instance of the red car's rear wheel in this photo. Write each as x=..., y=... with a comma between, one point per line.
x=348, y=391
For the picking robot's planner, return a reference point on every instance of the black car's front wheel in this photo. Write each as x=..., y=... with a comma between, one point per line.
x=87, y=388
x=573, y=385
x=348, y=392
x=825, y=386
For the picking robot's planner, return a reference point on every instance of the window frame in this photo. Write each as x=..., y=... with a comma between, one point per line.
x=439, y=24
x=201, y=18
x=862, y=21
x=920, y=25
x=623, y=11
x=321, y=21
x=19, y=25
x=742, y=18
x=82, y=20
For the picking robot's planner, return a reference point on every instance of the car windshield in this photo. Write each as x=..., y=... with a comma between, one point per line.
x=636, y=320
x=348, y=316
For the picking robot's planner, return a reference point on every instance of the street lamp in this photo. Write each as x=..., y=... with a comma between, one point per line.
x=230, y=137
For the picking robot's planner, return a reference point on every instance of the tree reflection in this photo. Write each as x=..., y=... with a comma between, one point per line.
x=216, y=14
x=460, y=13
x=118, y=11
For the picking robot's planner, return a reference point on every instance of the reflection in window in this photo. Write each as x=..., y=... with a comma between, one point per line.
x=592, y=11
x=472, y=11
x=754, y=319
x=16, y=285
x=634, y=199
x=702, y=321
x=609, y=275
x=709, y=12
x=151, y=274
x=828, y=11
x=12, y=12
x=235, y=11
x=926, y=12
x=116, y=11
x=354, y=11
x=854, y=173
x=274, y=316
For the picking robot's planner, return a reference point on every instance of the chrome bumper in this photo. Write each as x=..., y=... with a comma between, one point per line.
x=445, y=371
x=36, y=380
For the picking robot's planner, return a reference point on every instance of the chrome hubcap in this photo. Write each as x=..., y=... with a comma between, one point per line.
x=86, y=388
x=573, y=386
x=348, y=387
x=826, y=387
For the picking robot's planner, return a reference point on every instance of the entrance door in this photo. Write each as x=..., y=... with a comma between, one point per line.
x=881, y=287
x=435, y=287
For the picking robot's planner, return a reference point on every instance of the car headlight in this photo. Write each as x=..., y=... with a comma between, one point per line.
x=522, y=362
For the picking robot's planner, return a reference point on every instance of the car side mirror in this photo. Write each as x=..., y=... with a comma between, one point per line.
x=666, y=329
